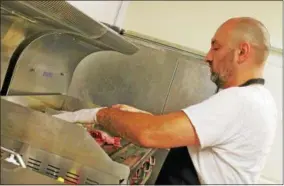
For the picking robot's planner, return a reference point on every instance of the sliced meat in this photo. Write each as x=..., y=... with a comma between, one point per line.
x=102, y=138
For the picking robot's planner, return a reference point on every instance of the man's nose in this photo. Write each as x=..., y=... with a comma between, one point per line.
x=208, y=57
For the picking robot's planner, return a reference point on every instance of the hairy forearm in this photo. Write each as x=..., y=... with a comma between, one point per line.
x=161, y=131
x=140, y=127
x=128, y=125
x=171, y=130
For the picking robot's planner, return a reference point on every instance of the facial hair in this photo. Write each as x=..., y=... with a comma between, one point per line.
x=221, y=78
x=215, y=78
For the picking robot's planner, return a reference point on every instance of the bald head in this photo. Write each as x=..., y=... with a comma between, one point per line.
x=252, y=31
x=238, y=51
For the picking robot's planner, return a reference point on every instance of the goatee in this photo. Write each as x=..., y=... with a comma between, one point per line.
x=215, y=78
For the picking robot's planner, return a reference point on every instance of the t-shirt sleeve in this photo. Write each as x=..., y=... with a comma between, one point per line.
x=215, y=117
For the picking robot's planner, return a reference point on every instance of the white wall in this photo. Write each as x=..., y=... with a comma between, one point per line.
x=193, y=23
x=111, y=12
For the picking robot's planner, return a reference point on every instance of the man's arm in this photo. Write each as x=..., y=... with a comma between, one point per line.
x=161, y=131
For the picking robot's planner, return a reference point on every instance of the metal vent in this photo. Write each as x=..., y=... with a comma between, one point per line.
x=91, y=182
x=52, y=171
x=72, y=178
x=65, y=13
x=33, y=164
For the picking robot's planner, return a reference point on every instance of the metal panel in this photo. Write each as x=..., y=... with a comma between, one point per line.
x=12, y=174
x=55, y=166
x=46, y=65
x=191, y=84
x=55, y=136
x=13, y=31
x=141, y=80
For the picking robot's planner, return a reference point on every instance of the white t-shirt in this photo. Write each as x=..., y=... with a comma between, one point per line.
x=236, y=130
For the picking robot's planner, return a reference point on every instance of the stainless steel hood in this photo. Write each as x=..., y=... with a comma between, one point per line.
x=43, y=42
x=61, y=15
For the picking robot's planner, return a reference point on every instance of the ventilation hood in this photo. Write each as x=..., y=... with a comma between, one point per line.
x=61, y=15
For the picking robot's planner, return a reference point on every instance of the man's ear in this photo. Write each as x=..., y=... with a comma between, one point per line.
x=244, y=51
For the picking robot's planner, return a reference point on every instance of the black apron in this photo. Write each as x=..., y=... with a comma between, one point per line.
x=178, y=168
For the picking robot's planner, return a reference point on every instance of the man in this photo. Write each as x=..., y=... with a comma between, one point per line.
x=222, y=140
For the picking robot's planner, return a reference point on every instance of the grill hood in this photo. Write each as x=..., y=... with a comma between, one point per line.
x=63, y=16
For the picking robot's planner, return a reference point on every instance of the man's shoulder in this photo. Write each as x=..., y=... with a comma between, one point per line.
x=256, y=100
x=244, y=98
x=229, y=94
x=247, y=93
x=234, y=90
x=226, y=100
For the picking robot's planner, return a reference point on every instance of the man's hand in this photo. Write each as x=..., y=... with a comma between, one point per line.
x=129, y=108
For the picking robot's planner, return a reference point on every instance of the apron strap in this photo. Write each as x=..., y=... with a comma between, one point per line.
x=247, y=83
x=260, y=81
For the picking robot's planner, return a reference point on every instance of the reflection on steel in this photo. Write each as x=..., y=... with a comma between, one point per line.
x=47, y=64
x=14, y=30
x=19, y=158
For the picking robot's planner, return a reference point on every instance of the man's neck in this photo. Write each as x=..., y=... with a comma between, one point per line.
x=244, y=77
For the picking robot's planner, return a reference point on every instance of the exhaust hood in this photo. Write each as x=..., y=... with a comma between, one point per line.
x=63, y=16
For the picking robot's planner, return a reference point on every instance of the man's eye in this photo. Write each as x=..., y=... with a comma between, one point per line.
x=215, y=49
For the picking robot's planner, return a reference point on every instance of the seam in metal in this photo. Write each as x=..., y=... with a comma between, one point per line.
x=171, y=83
